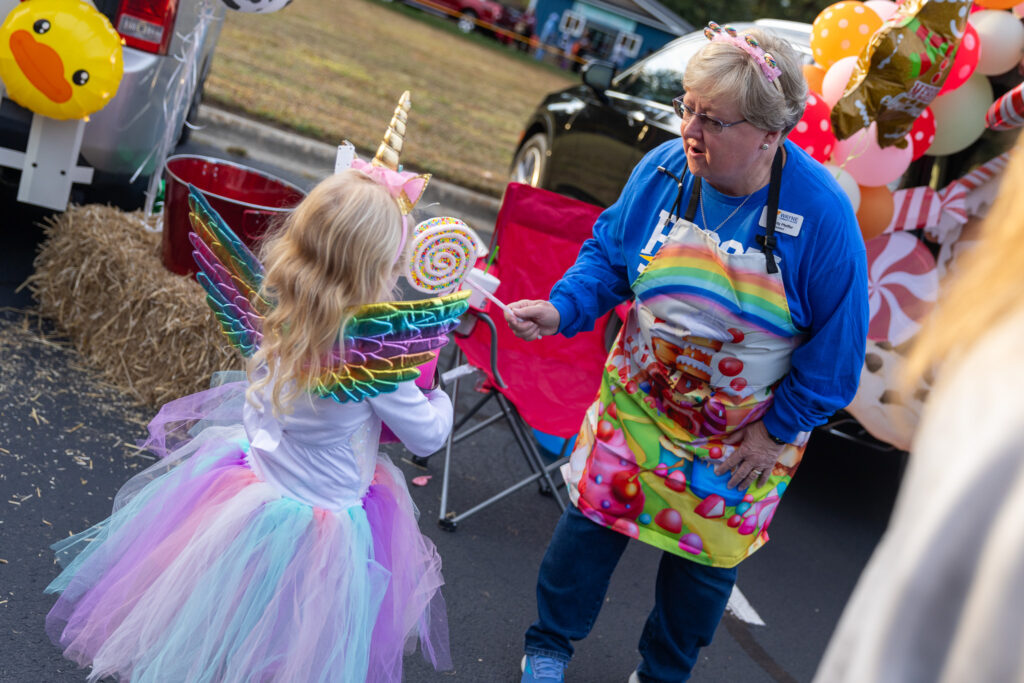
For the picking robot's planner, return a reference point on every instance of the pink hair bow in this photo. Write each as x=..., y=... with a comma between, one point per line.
x=405, y=186
x=747, y=43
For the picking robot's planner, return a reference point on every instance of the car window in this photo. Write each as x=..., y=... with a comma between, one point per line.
x=660, y=77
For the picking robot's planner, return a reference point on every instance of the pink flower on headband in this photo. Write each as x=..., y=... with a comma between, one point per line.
x=747, y=43
x=406, y=187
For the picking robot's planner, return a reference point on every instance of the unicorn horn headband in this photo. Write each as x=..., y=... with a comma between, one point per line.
x=391, y=146
x=749, y=44
x=443, y=249
x=406, y=187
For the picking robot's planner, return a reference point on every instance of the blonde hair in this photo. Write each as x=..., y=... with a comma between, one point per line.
x=335, y=252
x=723, y=70
x=987, y=284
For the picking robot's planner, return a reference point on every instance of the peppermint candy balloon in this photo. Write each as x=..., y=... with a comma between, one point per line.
x=444, y=250
x=903, y=284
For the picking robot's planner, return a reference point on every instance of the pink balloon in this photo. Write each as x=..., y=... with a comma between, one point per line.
x=965, y=61
x=814, y=131
x=871, y=165
x=834, y=83
x=883, y=8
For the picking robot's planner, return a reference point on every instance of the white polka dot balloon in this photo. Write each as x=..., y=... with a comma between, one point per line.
x=813, y=133
x=922, y=133
x=965, y=61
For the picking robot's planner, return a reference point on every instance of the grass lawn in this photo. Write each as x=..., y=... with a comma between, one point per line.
x=334, y=71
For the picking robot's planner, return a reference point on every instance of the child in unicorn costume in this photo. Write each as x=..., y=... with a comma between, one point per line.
x=272, y=541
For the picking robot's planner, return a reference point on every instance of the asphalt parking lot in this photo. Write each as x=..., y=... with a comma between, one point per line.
x=66, y=446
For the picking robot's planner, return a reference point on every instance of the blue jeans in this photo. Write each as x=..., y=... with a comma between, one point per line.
x=689, y=600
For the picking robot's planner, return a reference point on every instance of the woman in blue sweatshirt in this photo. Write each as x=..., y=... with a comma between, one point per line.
x=747, y=329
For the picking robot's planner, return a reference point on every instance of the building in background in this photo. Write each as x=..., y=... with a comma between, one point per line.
x=618, y=31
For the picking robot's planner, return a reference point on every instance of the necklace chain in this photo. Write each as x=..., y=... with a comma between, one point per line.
x=705, y=218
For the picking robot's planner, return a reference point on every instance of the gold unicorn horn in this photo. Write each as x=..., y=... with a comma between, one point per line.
x=391, y=146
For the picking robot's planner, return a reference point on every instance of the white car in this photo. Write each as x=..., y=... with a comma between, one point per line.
x=119, y=141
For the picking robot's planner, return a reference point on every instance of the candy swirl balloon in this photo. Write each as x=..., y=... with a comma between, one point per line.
x=444, y=250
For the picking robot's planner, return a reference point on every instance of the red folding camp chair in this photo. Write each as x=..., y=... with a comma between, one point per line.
x=547, y=384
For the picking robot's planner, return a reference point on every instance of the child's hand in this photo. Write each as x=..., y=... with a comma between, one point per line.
x=532, y=319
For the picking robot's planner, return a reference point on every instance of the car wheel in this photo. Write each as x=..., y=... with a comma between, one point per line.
x=530, y=162
x=467, y=21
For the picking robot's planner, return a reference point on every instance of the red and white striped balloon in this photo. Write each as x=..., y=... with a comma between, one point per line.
x=903, y=284
x=1007, y=112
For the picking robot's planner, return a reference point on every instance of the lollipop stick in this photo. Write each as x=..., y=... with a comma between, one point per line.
x=498, y=302
x=477, y=286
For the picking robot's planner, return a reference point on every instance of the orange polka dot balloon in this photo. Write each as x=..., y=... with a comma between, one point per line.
x=842, y=30
x=997, y=4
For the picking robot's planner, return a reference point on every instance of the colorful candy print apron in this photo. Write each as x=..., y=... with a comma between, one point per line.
x=706, y=342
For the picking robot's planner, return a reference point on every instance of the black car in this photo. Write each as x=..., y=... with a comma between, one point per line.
x=583, y=141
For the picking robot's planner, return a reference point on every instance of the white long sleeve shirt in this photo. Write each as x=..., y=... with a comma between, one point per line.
x=324, y=452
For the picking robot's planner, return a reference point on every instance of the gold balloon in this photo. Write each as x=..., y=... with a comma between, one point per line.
x=901, y=70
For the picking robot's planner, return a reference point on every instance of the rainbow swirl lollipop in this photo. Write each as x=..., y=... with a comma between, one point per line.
x=444, y=250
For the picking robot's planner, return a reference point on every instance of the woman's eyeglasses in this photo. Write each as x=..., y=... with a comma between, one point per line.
x=708, y=123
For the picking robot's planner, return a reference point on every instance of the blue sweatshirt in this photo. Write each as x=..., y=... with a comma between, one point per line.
x=819, y=250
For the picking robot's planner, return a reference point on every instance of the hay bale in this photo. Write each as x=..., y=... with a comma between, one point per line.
x=148, y=331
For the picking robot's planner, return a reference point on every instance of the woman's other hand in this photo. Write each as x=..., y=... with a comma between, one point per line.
x=533, y=318
x=753, y=460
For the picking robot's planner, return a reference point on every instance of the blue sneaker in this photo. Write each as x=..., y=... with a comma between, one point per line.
x=537, y=669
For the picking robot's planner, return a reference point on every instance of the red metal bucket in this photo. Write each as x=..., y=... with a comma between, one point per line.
x=248, y=200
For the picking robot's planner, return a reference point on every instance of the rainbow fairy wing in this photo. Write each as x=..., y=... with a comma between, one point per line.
x=229, y=272
x=386, y=342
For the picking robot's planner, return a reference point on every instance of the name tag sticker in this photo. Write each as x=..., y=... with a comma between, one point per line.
x=787, y=223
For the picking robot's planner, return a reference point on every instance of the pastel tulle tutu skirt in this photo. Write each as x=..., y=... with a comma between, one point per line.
x=205, y=573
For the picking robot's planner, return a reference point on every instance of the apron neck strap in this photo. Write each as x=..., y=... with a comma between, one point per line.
x=767, y=240
x=691, y=208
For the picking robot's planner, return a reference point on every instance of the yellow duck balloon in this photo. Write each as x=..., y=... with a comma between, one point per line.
x=60, y=58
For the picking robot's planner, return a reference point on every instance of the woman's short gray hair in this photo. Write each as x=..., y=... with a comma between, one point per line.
x=726, y=71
